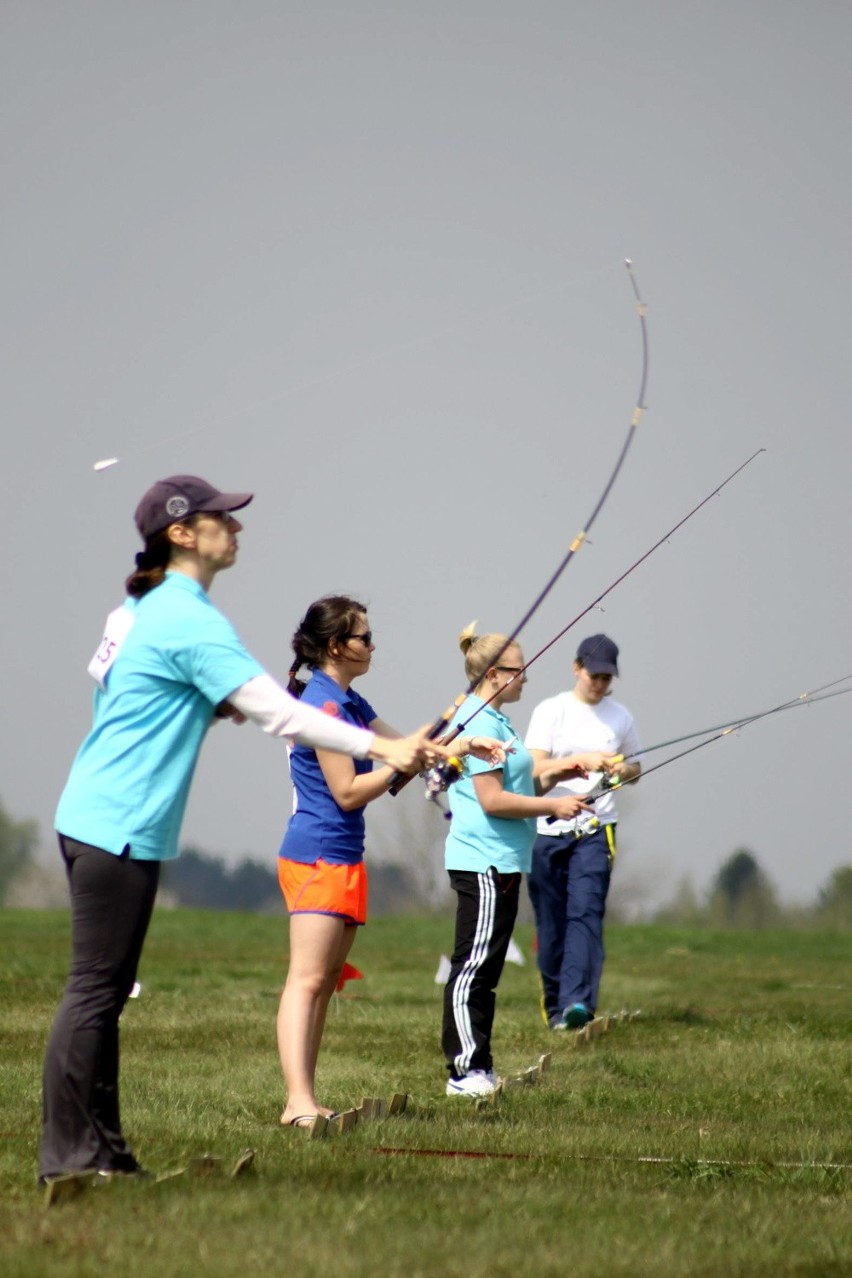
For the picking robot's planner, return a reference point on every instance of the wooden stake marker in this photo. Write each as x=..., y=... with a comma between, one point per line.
x=64, y=1188
x=243, y=1163
x=346, y=1121
x=371, y=1108
x=602, y=1025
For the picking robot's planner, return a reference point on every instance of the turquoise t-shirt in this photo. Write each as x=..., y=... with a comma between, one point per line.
x=477, y=840
x=129, y=783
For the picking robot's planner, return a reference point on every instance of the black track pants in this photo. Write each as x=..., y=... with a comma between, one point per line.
x=485, y=916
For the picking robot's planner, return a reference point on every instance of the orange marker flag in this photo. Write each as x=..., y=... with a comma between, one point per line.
x=349, y=973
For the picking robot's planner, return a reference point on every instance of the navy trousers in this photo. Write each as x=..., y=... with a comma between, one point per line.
x=568, y=886
x=111, y=902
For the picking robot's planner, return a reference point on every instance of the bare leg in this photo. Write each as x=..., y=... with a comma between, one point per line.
x=346, y=942
x=319, y=944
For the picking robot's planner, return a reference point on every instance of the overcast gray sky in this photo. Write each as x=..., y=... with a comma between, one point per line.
x=366, y=259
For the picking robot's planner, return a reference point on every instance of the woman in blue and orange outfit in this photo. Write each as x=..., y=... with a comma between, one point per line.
x=489, y=848
x=321, y=862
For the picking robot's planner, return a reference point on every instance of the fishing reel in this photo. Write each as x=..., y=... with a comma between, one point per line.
x=609, y=781
x=588, y=824
x=439, y=778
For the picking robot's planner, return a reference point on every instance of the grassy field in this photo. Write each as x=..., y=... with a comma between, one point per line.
x=736, y=1077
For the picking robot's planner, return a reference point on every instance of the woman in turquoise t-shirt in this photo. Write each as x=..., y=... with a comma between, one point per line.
x=488, y=849
x=168, y=661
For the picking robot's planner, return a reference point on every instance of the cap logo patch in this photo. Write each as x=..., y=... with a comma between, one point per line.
x=177, y=507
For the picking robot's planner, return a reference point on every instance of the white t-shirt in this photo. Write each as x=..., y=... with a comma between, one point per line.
x=566, y=725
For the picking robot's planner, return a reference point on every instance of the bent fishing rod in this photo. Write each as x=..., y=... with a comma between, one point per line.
x=444, y=774
x=439, y=727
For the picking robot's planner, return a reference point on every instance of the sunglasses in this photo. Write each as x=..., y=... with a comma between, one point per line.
x=518, y=670
x=366, y=637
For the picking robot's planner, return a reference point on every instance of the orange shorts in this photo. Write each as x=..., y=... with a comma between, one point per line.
x=325, y=887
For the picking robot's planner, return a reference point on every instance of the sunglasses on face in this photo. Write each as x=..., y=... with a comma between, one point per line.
x=366, y=637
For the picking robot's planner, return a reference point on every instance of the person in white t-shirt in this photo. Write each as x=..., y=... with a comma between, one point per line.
x=571, y=864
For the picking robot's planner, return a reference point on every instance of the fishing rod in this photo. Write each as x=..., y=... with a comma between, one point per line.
x=726, y=732
x=439, y=727
x=803, y=700
x=442, y=775
x=609, y=782
x=618, y=580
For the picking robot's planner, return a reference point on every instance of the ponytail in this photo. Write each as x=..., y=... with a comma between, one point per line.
x=480, y=651
x=296, y=686
x=151, y=565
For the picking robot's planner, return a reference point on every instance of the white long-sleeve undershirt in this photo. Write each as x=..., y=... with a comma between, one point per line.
x=267, y=704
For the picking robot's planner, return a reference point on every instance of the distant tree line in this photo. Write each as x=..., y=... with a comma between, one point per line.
x=18, y=841
x=741, y=894
x=204, y=882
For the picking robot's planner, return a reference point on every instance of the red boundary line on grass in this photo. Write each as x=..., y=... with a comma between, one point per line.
x=447, y=1153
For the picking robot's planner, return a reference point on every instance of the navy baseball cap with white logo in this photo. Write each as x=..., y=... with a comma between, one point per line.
x=599, y=655
x=176, y=498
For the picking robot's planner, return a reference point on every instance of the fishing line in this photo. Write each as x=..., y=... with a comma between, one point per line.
x=344, y=370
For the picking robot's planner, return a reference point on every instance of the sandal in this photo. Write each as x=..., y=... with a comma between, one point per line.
x=302, y=1120
x=314, y=1124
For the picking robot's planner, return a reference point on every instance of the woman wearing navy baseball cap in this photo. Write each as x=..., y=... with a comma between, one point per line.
x=168, y=664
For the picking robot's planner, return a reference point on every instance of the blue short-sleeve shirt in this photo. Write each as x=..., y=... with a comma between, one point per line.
x=129, y=783
x=476, y=840
x=318, y=828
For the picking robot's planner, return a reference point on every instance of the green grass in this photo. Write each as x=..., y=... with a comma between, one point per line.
x=737, y=1071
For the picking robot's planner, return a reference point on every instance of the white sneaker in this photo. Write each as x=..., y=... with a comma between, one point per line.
x=478, y=1082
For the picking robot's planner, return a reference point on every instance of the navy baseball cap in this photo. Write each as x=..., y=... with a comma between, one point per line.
x=599, y=655
x=176, y=498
